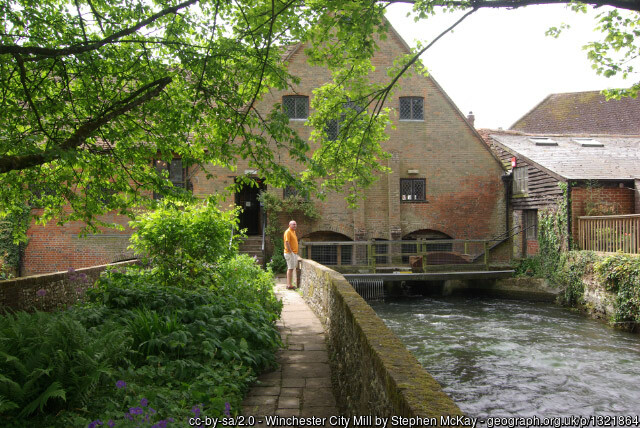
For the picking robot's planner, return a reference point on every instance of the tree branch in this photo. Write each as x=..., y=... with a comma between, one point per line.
x=142, y=95
x=74, y=50
x=513, y=4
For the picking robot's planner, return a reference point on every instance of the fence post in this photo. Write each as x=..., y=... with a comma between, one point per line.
x=486, y=255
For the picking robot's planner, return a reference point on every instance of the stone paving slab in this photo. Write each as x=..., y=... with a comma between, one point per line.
x=301, y=386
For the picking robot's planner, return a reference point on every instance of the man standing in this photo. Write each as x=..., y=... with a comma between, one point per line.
x=291, y=251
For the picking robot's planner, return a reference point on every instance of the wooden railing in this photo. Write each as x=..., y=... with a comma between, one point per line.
x=610, y=233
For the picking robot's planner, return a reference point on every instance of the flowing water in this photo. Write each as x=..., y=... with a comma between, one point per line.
x=513, y=358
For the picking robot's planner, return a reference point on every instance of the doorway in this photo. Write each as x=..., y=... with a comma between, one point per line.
x=251, y=215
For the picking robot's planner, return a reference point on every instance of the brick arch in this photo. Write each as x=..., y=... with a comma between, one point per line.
x=335, y=228
x=326, y=235
x=427, y=232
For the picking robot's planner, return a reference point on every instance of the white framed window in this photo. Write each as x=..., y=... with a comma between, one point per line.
x=520, y=180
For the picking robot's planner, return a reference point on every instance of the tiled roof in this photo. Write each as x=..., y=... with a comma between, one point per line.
x=582, y=113
x=617, y=159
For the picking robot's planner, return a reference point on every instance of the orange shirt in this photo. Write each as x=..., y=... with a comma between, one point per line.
x=292, y=239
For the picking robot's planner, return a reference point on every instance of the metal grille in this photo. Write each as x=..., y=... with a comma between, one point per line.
x=368, y=289
x=411, y=108
x=296, y=106
x=381, y=250
x=346, y=254
x=325, y=254
x=412, y=189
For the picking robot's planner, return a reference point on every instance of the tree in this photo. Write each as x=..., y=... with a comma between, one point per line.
x=94, y=90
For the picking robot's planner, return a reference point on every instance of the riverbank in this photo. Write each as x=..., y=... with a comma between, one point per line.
x=603, y=286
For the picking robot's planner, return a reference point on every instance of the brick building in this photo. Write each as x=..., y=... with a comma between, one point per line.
x=600, y=172
x=579, y=138
x=444, y=181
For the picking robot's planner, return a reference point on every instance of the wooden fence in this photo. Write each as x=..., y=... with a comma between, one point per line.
x=610, y=233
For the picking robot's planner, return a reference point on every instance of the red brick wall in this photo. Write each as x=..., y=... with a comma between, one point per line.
x=53, y=248
x=623, y=199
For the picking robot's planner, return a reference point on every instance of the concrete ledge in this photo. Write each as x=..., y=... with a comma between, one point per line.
x=372, y=371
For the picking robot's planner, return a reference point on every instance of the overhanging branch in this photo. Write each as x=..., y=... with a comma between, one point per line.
x=75, y=50
x=512, y=4
x=142, y=95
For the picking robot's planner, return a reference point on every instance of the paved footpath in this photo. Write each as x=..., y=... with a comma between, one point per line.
x=301, y=386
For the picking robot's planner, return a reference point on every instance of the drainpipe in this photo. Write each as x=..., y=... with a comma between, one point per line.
x=507, y=178
x=569, y=231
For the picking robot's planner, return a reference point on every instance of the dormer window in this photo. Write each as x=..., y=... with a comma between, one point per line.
x=411, y=108
x=296, y=106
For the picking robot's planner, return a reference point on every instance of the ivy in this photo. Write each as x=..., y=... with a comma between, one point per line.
x=573, y=266
x=553, y=237
x=620, y=274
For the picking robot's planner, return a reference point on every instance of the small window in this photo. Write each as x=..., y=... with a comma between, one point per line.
x=543, y=141
x=520, y=180
x=177, y=174
x=411, y=108
x=531, y=224
x=296, y=106
x=413, y=189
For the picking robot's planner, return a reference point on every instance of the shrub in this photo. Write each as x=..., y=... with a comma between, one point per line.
x=183, y=242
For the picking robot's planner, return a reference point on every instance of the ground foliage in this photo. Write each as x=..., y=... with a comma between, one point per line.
x=92, y=91
x=141, y=347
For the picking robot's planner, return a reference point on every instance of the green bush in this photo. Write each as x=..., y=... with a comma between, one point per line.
x=277, y=264
x=620, y=274
x=182, y=242
x=572, y=267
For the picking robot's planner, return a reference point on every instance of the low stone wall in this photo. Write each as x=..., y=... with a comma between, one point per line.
x=51, y=291
x=374, y=373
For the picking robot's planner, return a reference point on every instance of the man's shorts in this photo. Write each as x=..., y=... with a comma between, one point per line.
x=292, y=260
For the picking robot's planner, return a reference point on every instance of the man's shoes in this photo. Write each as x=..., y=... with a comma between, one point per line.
x=291, y=288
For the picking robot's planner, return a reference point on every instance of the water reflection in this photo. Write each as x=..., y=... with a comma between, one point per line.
x=512, y=358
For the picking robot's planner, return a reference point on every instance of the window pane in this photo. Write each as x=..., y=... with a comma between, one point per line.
x=288, y=103
x=418, y=190
x=301, y=107
x=176, y=173
x=405, y=108
x=332, y=130
x=417, y=109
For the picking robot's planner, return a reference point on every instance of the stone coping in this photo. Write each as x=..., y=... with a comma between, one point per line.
x=372, y=370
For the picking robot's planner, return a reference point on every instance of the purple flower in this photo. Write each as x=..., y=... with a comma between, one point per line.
x=95, y=423
x=128, y=416
x=121, y=384
x=196, y=411
x=170, y=420
x=144, y=402
x=227, y=409
x=152, y=411
x=163, y=423
x=111, y=424
x=41, y=293
x=135, y=410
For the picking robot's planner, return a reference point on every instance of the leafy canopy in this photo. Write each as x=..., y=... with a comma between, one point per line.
x=93, y=90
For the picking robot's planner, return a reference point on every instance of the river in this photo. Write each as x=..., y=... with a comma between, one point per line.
x=514, y=358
